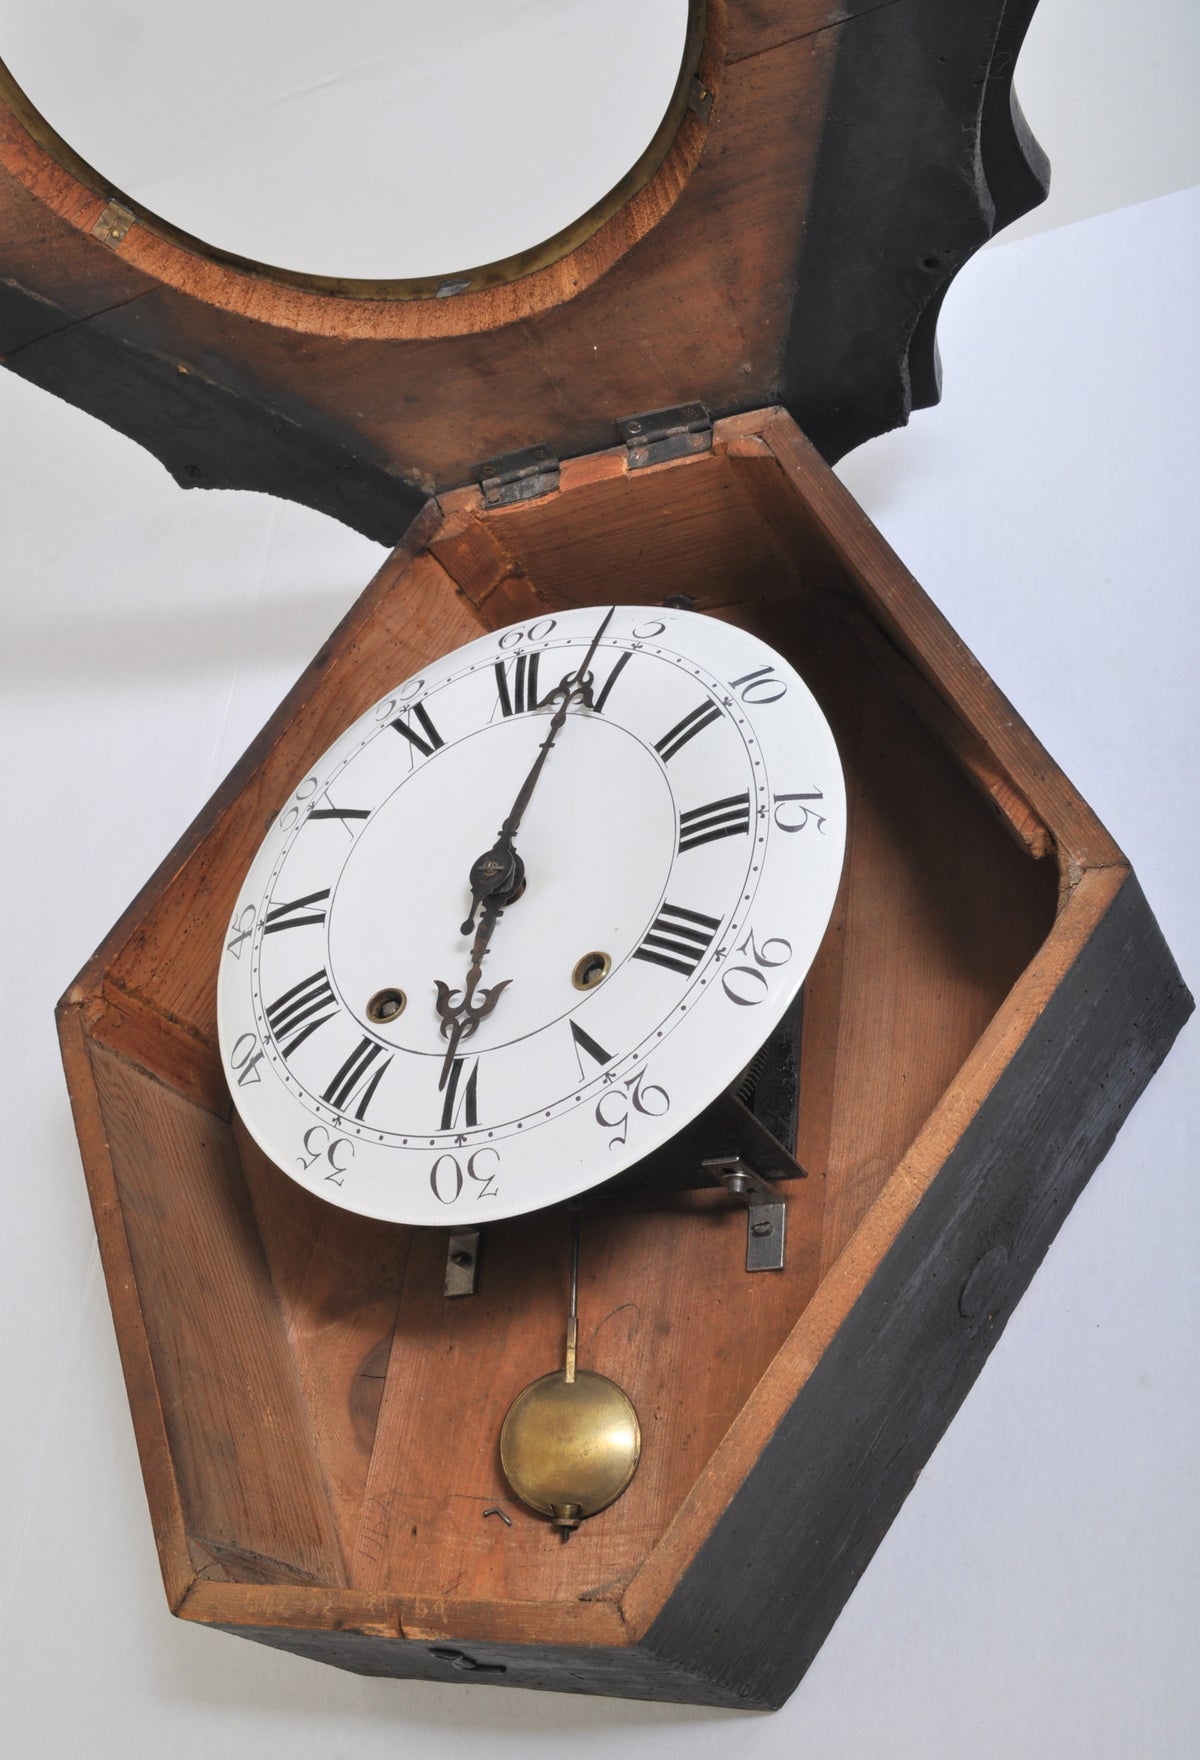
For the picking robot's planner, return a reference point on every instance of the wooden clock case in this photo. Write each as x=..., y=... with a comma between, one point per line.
x=317, y=1424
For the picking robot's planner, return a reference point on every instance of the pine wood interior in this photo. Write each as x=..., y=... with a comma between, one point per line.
x=331, y=1418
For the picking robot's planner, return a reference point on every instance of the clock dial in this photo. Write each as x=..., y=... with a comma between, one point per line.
x=680, y=820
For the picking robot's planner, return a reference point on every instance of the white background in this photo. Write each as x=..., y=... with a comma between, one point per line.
x=372, y=138
x=1037, y=1595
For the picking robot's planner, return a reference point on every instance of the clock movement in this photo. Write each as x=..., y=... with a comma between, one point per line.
x=490, y=848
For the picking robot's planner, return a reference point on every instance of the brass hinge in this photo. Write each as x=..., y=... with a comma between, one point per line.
x=660, y=434
x=517, y=476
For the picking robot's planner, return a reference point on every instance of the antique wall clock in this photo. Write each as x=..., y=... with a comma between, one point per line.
x=626, y=431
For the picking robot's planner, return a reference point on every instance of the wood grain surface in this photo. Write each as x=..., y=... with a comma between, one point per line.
x=830, y=167
x=319, y=1425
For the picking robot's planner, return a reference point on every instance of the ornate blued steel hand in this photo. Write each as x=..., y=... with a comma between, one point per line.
x=500, y=872
x=498, y=875
x=461, y=1019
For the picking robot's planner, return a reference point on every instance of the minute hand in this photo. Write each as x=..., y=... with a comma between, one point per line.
x=575, y=686
x=494, y=871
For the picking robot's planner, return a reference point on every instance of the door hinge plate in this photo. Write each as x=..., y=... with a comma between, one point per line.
x=661, y=434
x=518, y=476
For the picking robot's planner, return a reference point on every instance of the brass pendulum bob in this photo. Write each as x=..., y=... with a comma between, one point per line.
x=570, y=1442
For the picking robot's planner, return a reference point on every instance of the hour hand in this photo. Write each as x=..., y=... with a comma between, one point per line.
x=466, y=1014
x=459, y=1020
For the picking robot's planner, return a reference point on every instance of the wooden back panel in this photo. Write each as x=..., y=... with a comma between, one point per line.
x=394, y=1396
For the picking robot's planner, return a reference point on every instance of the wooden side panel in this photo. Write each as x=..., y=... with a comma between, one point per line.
x=137, y=1361
x=253, y=1502
x=938, y=914
x=167, y=947
x=160, y=1044
x=337, y=1278
x=582, y=1660
x=761, y=1594
x=912, y=623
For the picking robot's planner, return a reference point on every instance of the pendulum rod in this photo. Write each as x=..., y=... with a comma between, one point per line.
x=570, y=1442
x=573, y=1311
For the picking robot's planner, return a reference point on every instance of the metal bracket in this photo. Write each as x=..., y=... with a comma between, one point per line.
x=462, y=1262
x=114, y=223
x=700, y=99
x=766, y=1222
x=660, y=434
x=518, y=476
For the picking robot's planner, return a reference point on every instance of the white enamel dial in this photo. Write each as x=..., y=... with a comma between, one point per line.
x=686, y=829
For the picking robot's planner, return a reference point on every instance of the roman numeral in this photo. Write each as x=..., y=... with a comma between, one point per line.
x=296, y=915
x=687, y=729
x=469, y=1104
x=301, y=1010
x=599, y=701
x=726, y=818
x=432, y=740
x=678, y=939
x=585, y=1042
x=356, y=1079
x=521, y=693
